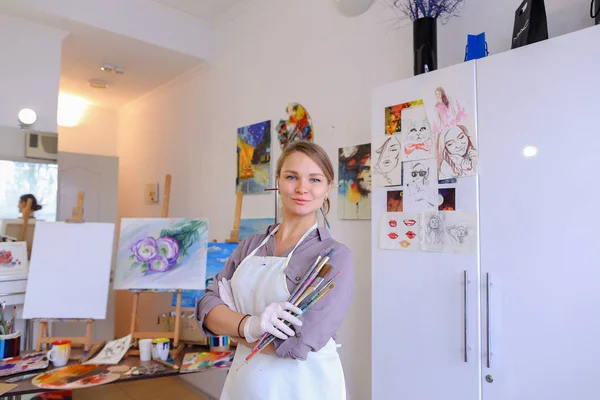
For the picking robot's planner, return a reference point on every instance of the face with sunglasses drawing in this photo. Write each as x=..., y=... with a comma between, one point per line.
x=419, y=177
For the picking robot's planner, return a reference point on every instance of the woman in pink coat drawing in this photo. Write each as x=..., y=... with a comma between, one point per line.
x=447, y=113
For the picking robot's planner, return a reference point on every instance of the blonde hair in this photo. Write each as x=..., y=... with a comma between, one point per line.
x=315, y=153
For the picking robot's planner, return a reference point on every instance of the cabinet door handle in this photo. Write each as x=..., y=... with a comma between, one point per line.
x=488, y=319
x=466, y=318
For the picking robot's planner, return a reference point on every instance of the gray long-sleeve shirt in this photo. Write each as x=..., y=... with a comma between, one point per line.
x=321, y=322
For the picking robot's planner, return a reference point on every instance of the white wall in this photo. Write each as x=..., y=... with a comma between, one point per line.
x=29, y=71
x=95, y=134
x=277, y=52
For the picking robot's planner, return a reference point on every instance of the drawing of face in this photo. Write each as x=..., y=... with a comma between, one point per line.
x=456, y=142
x=419, y=174
x=434, y=223
x=419, y=131
x=438, y=95
x=364, y=175
x=389, y=155
x=302, y=184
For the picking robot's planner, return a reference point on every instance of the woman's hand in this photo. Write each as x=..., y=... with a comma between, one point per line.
x=272, y=321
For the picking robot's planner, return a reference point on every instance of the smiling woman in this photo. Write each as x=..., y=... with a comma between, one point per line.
x=249, y=297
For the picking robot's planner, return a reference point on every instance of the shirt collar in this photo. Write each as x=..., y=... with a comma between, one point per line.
x=321, y=231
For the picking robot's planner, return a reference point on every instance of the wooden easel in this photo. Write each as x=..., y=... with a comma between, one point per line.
x=234, y=236
x=135, y=334
x=43, y=337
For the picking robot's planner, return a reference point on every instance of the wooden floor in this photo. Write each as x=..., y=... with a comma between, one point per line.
x=151, y=389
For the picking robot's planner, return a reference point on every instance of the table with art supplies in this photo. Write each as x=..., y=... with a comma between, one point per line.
x=34, y=373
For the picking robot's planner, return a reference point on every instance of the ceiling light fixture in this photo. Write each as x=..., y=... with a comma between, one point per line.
x=353, y=8
x=107, y=68
x=27, y=117
x=98, y=83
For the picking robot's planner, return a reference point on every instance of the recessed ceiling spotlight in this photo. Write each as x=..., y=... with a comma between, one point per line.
x=98, y=83
x=27, y=117
x=119, y=70
x=107, y=68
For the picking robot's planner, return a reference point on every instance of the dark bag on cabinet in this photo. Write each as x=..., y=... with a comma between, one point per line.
x=531, y=24
x=595, y=11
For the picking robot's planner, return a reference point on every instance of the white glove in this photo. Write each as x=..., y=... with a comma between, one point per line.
x=226, y=294
x=269, y=322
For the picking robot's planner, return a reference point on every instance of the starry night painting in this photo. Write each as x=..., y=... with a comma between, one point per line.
x=254, y=158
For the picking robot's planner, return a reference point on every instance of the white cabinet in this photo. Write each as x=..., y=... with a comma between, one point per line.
x=539, y=218
x=538, y=243
x=425, y=337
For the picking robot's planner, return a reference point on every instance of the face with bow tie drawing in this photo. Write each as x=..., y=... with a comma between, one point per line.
x=417, y=134
x=389, y=154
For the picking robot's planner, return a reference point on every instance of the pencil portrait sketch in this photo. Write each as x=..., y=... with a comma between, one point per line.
x=449, y=231
x=112, y=352
x=432, y=231
x=420, y=179
x=417, y=138
x=458, y=234
x=387, y=170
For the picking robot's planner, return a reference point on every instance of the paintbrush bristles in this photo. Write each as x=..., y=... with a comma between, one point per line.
x=315, y=284
x=326, y=270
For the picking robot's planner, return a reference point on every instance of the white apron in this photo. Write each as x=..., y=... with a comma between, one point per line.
x=256, y=283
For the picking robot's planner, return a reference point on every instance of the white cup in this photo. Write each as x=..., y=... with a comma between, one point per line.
x=59, y=353
x=145, y=346
x=160, y=348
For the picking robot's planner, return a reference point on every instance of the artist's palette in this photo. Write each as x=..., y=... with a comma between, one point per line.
x=76, y=376
x=16, y=365
x=193, y=362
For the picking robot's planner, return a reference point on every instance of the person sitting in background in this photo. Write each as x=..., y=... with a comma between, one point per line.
x=34, y=204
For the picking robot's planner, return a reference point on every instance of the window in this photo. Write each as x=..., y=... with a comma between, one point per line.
x=19, y=178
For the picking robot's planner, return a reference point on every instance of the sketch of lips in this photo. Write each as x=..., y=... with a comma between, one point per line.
x=405, y=244
x=393, y=223
x=393, y=235
x=409, y=222
x=411, y=234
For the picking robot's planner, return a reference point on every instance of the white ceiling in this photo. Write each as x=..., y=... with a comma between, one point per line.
x=147, y=66
x=209, y=10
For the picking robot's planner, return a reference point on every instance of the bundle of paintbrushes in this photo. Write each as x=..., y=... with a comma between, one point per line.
x=7, y=326
x=310, y=290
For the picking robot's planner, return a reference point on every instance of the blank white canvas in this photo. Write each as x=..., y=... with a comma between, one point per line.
x=69, y=271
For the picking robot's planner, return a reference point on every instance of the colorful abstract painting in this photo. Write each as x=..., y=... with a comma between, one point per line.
x=13, y=258
x=297, y=126
x=254, y=158
x=393, y=116
x=75, y=376
x=218, y=254
x=194, y=362
x=354, y=185
x=249, y=226
x=30, y=362
x=162, y=253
